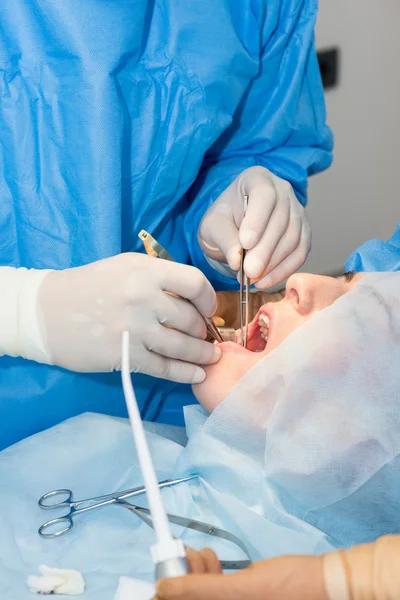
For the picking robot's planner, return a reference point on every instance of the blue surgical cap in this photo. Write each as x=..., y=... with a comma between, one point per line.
x=376, y=255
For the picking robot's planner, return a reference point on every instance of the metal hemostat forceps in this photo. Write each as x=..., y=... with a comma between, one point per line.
x=63, y=498
x=154, y=248
x=244, y=290
x=51, y=501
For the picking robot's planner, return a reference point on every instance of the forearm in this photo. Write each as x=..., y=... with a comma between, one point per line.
x=280, y=124
x=365, y=572
x=19, y=327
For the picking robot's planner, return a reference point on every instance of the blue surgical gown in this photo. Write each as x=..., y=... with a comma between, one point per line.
x=118, y=115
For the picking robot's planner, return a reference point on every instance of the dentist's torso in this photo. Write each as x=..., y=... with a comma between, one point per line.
x=107, y=110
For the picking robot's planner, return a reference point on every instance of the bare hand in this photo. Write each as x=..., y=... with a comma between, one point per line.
x=283, y=578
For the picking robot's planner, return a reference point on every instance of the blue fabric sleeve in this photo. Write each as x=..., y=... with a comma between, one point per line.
x=376, y=255
x=280, y=124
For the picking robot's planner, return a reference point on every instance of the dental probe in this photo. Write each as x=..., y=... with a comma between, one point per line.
x=244, y=290
x=168, y=554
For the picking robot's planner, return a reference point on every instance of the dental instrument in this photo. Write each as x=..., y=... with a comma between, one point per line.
x=244, y=294
x=168, y=554
x=228, y=333
x=50, y=501
x=120, y=499
x=154, y=248
x=206, y=528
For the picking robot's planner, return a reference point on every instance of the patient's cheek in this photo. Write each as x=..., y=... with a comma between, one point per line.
x=222, y=377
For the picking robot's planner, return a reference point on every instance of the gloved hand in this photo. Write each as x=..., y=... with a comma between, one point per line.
x=275, y=231
x=283, y=578
x=83, y=312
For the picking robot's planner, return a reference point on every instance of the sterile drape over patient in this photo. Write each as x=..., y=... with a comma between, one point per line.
x=317, y=422
x=302, y=457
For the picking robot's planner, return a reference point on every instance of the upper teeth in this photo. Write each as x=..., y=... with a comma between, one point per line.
x=263, y=322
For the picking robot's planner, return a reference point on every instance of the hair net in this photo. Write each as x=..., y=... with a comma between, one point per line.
x=302, y=457
x=376, y=255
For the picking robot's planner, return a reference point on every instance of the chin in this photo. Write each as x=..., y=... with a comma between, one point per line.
x=221, y=378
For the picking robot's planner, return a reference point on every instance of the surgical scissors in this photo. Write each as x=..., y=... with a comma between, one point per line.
x=91, y=504
x=244, y=294
x=154, y=248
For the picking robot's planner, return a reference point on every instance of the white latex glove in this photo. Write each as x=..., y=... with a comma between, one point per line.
x=81, y=313
x=275, y=232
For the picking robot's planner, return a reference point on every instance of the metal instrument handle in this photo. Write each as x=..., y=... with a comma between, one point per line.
x=206, y=528
x=66, y=503
x=69, y=503
x=66, y=519
x=92, y=503
x=174, y=567
x=150, y=242
x=244, y=290
x=154, y=248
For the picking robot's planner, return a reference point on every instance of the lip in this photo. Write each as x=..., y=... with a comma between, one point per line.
x=232, y=347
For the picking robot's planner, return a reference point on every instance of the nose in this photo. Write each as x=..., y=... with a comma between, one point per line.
x=302, y=292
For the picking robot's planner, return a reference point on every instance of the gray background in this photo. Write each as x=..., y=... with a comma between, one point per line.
x=358, y=198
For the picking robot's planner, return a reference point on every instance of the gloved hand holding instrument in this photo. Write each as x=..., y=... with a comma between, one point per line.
x=275, y=232
x=74, y=318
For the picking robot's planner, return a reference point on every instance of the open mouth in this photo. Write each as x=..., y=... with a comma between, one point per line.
x=259, y=333
x=260, y=330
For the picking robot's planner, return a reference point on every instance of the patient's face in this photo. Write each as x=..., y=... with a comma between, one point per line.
x=305, y=296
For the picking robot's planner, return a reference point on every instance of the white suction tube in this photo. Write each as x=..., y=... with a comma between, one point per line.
x=168, y=553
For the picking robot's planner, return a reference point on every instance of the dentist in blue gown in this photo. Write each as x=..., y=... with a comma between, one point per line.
x=117, y=116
